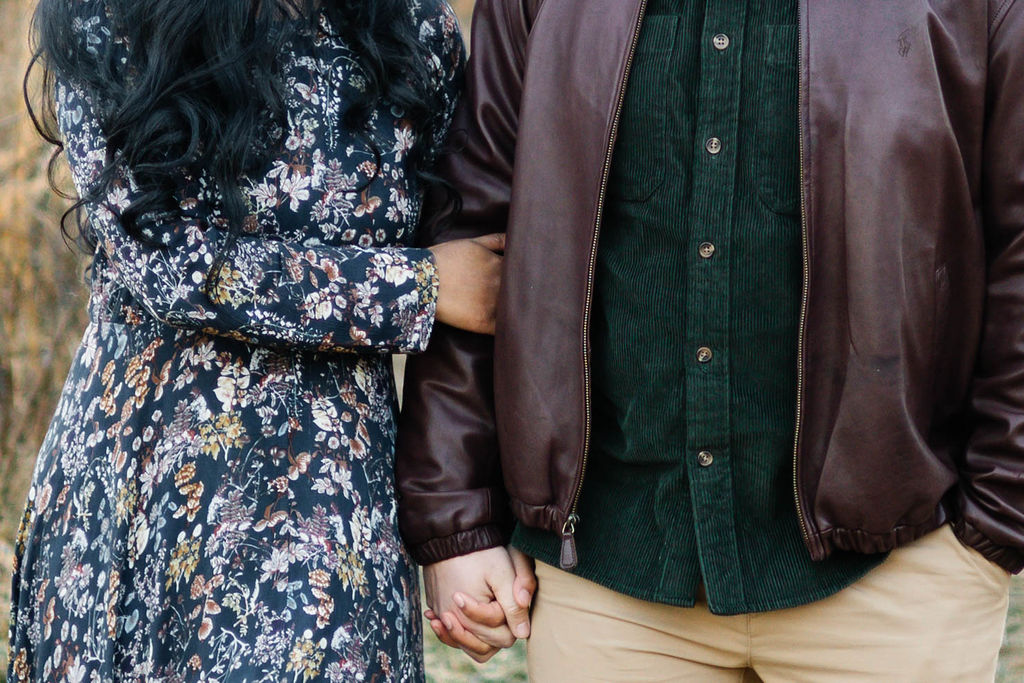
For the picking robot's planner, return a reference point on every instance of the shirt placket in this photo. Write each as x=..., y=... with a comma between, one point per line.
x=708, y=301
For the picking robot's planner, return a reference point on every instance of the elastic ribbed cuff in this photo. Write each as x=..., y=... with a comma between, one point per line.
x=461, y=543
x=1010, y=559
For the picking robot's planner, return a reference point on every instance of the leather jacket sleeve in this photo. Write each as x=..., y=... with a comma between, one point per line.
x=991, y=495
x=451, y=496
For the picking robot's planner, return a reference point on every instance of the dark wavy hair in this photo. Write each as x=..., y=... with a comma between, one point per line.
x=202, y=87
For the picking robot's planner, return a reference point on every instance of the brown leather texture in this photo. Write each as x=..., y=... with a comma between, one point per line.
x=912, y=355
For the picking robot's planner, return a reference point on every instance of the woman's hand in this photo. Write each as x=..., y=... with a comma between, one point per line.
x=469, y=272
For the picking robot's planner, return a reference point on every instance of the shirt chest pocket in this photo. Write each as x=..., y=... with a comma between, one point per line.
x=776, y=144
x=641, y=148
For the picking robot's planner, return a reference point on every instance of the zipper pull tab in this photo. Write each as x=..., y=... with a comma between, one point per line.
x=568, y=559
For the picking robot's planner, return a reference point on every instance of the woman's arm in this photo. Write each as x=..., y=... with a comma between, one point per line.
x=274, y=292
x=266, y=292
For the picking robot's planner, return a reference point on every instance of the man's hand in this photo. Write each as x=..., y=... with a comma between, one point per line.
x=480, y=602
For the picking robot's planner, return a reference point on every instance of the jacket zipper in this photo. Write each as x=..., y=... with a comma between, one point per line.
x=568, y=558
x=806, y=290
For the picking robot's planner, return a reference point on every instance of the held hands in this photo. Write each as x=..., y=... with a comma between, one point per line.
x=481, y=602
x=477, y=602
x=469, y=272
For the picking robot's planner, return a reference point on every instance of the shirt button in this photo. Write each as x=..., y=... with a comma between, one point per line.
x=720, y=41
x=705, y=458
x=713, y=145
x=706, y=249
x=704, y=355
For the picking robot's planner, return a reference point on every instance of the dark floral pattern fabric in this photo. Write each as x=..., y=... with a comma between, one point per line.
x=214, y=500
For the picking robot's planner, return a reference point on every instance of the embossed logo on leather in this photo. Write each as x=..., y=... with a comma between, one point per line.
x=903, y=43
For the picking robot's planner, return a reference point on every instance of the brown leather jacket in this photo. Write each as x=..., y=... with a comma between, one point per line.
x=911, y=360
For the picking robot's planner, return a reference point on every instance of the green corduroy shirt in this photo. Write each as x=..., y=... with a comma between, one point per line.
x=696, y=314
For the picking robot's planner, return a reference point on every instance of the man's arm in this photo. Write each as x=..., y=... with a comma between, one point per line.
x=453, y=509
x=449, y=476
x=991, y=495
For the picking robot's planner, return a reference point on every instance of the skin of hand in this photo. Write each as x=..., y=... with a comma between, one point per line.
x=469, y=273
x=480, y=602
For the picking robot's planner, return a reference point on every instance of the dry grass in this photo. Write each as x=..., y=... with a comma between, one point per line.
x=42, y=314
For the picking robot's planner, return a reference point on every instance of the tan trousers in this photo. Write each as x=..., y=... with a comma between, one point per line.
x=934, y=611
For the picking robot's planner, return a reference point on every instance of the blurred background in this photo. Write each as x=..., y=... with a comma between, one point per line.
x=42, y=315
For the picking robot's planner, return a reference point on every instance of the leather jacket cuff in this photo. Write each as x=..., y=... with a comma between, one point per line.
x=461, y=543
x=1010, y=559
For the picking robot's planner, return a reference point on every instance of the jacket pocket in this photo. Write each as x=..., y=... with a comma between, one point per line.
x=777, y=156
x=641, y=149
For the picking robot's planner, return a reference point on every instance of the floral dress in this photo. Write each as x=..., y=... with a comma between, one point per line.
x=214, y=500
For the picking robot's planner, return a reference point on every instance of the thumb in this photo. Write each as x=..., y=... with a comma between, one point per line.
x=517, y=616
x=525, y=584
x=492, y=242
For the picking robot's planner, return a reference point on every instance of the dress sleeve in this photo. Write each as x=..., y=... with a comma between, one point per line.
x=266, y=292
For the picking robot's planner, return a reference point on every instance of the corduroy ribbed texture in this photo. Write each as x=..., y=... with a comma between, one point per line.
x=654, y=523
